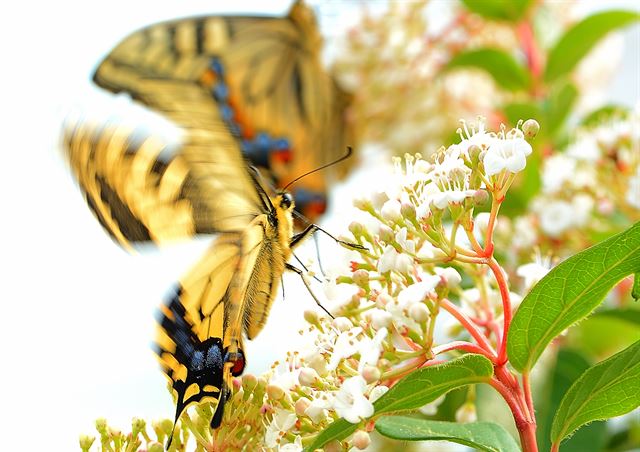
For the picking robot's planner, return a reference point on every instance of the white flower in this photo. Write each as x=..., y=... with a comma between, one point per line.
x=509, y=154
x=558, y=169
x=534, y=271
x=350, y=402
x=282, y=421
x=467, y=413
x=377, y=392
x=295, y=446
x=633, y=192
x=584, y=148
x=391, y=210
x=444, y=198
x=379, y=318
x=370, y=349
x=317, y=409
x=582, y=205
x=418, y=291
x=345, y=346
x=556, y=217
x=431, y=408
x=388, y=259
x=450, y=275
x=524, y=235
x=408, y=245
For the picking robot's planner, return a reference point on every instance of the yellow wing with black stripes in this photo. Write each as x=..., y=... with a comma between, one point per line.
x=265, y=78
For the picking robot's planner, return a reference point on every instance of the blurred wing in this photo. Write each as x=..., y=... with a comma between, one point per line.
x=142, y=189
x=263, y=74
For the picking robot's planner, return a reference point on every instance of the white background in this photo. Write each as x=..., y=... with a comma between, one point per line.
x=76, y=312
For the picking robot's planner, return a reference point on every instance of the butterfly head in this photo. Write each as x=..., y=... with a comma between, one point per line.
x=285, y=201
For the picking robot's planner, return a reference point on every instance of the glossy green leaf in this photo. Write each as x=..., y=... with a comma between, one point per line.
x=559, y=105
x=485, y=436
x=568, y=367
x=427, y=384
x=610, y=388
x=416, y=390
x=581, y=38
x=504, y=69
x=337, y=431
x=511, y=10
x=569, y=293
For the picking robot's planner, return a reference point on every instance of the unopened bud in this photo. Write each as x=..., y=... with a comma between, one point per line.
x=474, y=153
x=361, y=440
x=101, y=426
x=342, y=324
x=137, y=425
x=371, y=374
x=530, y=128
x=312, y=317
x=363, y=204
x=480, y=197
x=333, y=446
x=301, y=405
x=408, y=211
x=383, y=299
x=308, y=376
x=356, y=229
x=466, y=413
x=249, y=382
x=86, y=441
x=319, y=364
x=419, y=312
x=275, y=392
x=380, y=318
x=385, y=233
x=155, y=446
x=361, y=278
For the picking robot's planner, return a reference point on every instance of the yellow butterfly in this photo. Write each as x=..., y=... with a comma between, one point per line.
x=264, y=77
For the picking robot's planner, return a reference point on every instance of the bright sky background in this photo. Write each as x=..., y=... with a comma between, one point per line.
x=77, y=312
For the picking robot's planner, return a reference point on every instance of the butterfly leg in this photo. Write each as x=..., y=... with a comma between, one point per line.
x=306, y=283
x=312, y=228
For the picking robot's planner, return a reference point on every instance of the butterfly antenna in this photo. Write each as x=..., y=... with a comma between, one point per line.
x=335, y=162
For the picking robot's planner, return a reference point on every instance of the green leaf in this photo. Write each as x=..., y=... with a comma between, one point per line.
x=593, y=335
x=416, y=390
x=610, y=388
x=560, y=102
x=569, y=293
x=511, y=10
x=524, y=110
x=337, y=431
x=485, y=436
x=580, y=38
x=635, y=289
x=605, y=113
x=505, y=70
x=427, y=384
x=569, y=365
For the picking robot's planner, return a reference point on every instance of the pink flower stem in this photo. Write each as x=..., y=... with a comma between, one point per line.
x=465, y=321
x=506, y=307
x=463, y=345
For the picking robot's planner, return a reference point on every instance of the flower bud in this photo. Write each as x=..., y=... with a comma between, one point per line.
x=361, y=440
x=391, y=210
x=385, y=233
x=155, y=446
x=371, y=374
x=275, y=392
x=466, y=413
x=530, y=128
x=312, y=318
x=361, y=278
x=380, y=318
x=86, y=441
x=362, y=203
x=383, y=299
x=301, y=405
x=419, y=312
x=318, y=363
x=333, y=446
x=342, y=324
x=480, y=197
x=356, y=229
x=408, y=211
x=249, y=382
x=450, y=276
x=308, y=376
x=137, y=425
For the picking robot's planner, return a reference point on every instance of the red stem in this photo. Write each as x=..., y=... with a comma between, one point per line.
x=468, y=324
x=462, y=345
x=506, y=308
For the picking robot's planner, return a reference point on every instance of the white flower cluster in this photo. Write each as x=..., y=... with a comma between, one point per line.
x=598, y=174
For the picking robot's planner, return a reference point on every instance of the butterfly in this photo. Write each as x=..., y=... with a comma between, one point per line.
x=143, y=189
x=264, y=77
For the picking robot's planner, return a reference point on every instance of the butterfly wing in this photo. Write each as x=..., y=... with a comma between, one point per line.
x=265, y=76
